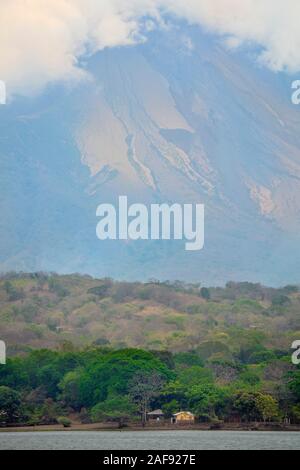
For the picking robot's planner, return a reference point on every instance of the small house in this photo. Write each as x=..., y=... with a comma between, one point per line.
x=183, y=417
x=156, y=415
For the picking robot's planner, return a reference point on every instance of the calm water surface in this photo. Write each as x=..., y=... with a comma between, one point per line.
x=149, y=440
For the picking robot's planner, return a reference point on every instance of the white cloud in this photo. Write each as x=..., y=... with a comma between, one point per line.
x=272, y=24
x=41, y=41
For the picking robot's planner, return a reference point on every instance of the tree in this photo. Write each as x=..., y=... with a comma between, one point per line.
x=204, y=399
x=69, y=387
x=111, y=373
x=205, y=293
x=101, y=291
x=10, y=405
x=256, y=406
x=267, y=406
x=294, y=383
x=280, y=300
x=171, y=407
x=122, y=291
x=195, y=375
x=184, y=359
x=264, y=355
x=245, y=405
x=143, y=388
x=64, y=421
x=49, y=412
x=291, y=289
x=296, y=413
x=56, y=286
x=12, y=292
x=174, y=391
x=115, y=408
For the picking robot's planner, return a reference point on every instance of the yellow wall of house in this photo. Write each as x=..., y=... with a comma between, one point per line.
x=184, y=417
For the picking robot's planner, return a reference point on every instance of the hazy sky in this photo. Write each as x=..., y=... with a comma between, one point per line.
x=42, y=40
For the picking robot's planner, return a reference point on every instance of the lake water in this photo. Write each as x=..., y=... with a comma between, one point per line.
x=149, y=440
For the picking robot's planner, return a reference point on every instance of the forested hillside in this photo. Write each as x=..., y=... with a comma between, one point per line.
x=222, y=353
x=241, y=320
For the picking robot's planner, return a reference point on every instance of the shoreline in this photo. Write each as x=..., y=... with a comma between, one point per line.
x=76, y=427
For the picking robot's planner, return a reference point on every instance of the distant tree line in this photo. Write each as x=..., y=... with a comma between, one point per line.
x=102, y=384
